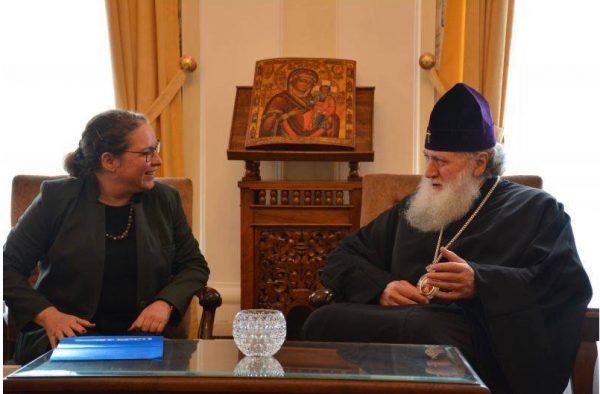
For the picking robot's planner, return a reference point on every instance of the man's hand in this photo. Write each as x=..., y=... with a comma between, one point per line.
x=59, y=325
x=153, y=318
x=401, y=292
x=455, y=278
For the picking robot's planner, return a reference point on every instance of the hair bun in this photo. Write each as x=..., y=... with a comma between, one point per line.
x=79, y=154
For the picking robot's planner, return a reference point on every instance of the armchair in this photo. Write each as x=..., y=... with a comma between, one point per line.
x=382, y=191
x=24, y=190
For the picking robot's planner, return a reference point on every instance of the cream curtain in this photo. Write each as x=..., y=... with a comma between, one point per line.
x=145, y=50
x=475, y=49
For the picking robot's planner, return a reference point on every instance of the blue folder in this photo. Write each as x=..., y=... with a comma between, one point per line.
x=88, y=348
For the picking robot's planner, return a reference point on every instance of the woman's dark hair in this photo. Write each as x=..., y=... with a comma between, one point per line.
x=105, y=132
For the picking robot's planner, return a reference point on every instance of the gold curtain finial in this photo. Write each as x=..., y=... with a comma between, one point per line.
x=188, y=63
x=427, y=61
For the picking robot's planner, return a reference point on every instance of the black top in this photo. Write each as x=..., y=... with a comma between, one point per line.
x=531, y=288
x=117, y=307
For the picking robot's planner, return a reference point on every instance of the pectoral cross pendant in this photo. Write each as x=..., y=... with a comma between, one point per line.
x=424, y=287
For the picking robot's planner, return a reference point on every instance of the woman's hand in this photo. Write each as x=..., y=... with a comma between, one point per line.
x=153, y=318
x=401, y=292
x=59, y=325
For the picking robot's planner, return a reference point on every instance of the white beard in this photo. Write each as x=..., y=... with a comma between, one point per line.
x=430, y=209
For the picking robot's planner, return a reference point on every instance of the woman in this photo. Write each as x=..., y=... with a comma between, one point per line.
x=116, y=253
x=284, y=113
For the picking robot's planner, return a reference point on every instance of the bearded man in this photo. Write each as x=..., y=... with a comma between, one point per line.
x=469, y=260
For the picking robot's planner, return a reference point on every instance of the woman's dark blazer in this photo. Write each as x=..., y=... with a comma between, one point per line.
x=64, y=229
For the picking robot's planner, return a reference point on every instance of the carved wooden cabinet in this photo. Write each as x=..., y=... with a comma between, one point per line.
x=288, y=228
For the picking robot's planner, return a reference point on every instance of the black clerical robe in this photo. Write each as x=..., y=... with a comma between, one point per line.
x=531, y=288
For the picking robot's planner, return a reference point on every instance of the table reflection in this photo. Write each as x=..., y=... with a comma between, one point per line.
x=259, y=367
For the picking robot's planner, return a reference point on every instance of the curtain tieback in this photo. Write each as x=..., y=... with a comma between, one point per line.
x=187, y=64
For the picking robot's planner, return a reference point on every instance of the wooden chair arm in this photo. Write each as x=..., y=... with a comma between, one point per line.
x=321, y=297
x=9, y=332
x=582, y=379
x=209, y=299
x=589, y=328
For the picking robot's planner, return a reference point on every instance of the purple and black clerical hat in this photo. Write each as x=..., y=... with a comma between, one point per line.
x=461, y=121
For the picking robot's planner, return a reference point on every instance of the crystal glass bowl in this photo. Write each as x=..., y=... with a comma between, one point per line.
x=259, y=332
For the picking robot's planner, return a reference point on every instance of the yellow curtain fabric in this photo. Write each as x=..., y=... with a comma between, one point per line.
x=145, y=48
x=453, y=45
x=476, y=47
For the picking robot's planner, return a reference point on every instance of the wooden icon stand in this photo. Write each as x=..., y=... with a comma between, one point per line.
x=289, y=227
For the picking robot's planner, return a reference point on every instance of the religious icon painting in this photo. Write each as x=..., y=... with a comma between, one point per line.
x=302, y=103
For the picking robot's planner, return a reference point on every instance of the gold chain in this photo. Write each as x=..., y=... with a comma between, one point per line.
x=422, y=285
x=437, y=256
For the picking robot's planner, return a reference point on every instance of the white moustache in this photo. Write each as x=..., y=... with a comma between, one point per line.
x=433, y=207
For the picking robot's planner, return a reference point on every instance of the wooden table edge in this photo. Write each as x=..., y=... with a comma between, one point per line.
x=202, y=384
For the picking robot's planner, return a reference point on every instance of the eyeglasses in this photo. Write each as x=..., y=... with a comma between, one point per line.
x=148, y=153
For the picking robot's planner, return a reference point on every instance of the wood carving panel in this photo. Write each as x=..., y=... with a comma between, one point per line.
x=290, y=263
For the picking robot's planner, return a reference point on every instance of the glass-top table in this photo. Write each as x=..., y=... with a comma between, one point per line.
x=319, y=364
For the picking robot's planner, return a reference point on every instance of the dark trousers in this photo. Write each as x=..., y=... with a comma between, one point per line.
x=30, y=343
x=410, y=324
